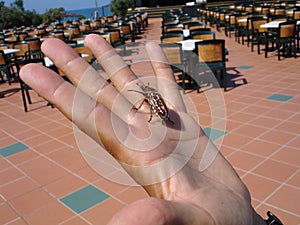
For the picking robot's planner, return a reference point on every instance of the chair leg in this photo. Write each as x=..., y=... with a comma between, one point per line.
x=266, y=49
x=28, y=96
x=1, y=77
x=24, y=99
x=295, y=49
x=278, y=51
x=224, y=75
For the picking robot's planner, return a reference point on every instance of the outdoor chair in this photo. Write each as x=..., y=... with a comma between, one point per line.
x=194, y=25
x=34, y=48
x=24, y=48
x=221, y=19
x=126, y=33
x=24, y=87
x=259, y=35
x=174, y=29
x=284, y=38
x=247, y=32
x=203, y=35
x=84, y=52
x=175, y=56
x=4, y=68
x=171, y=38
x=230, y=25
x=210, y=55
x=22, y=36
x=3, y=46
x=115, y=38
x=277, y=18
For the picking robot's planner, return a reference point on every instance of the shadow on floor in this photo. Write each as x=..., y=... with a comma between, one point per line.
x=9, y=92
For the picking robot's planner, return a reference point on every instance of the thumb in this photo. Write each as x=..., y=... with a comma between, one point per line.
x=146, y=212
x=160, y=212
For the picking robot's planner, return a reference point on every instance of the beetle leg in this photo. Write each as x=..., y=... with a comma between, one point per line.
x=150, y=117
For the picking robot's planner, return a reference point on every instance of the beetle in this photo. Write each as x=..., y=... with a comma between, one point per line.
x=155, y=101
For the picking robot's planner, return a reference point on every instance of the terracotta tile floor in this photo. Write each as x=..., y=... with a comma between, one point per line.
x=41, y=167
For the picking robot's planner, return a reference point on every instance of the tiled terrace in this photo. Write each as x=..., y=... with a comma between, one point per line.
x=45, y=180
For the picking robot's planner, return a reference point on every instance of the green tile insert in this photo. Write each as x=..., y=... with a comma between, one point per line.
x=84, y=198
x=214, y=134
x=13, y=149
x=280, y=97
x=244, y=67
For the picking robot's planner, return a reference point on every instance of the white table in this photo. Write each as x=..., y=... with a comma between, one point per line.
x=48, y=62
x=186, y=32
x=242, y=20
x=274, y=24
x=10, y=51
x=188, y=45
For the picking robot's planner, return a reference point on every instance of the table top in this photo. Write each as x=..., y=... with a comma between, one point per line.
x=274, y=24
x=186, y=32
x=242, y=20
x=10, y=51
x=189, y=44
x=48, y=62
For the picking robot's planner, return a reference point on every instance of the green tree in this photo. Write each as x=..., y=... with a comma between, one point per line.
x=120, y=7
x=19, y=4
x=15, y=17
x=52, y=15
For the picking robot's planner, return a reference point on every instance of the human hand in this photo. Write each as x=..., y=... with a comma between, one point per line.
x=188, y=180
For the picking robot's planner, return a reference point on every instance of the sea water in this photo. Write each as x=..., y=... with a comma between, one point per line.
x=89, y=12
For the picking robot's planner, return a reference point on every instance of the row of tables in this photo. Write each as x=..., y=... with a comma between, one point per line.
x=275, y=24
x=271, y=25
x=48, y=62
x=11, y=51
x=189, y=44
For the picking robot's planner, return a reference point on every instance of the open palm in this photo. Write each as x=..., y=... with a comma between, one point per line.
x=188, y=180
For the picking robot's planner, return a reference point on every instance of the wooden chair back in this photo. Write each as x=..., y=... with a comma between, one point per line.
x=3, y=46
x=296, y=14
x=173, y=53
x=196, y=26
x=203, y=35
x=22, y=36
x=82, y=50
x=106, y=36
x=96, y=24
x=210, y=51
x=115, y=38
x=60, y=35
x=256, y=25
x=84, y=28
x=174, y=29
x=265, y=10
x=171, y=38
x=279, y=11
x=287, y=30
x=23, y=47
x=277, y=18
x=34, y=44
x=3, y=61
